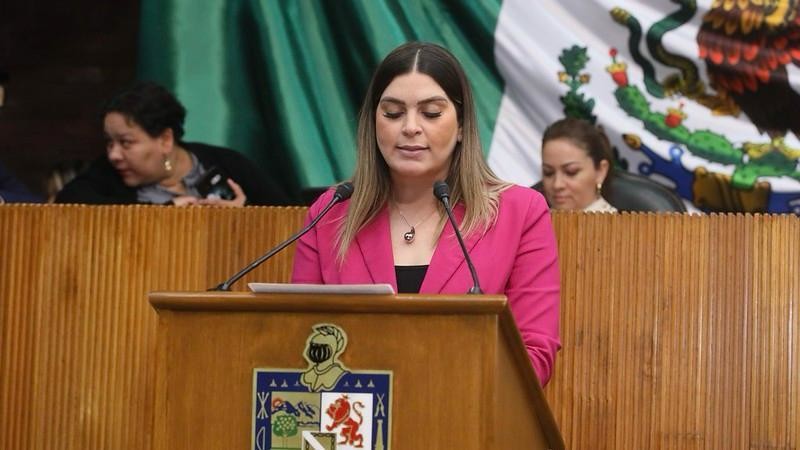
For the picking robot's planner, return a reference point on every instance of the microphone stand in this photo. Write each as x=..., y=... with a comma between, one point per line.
x=442, y=191
x=343, y=192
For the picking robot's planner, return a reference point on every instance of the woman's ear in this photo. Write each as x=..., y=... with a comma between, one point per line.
x=602, y=171
x=166, y=140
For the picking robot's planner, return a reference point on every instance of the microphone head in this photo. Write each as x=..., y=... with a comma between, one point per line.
x=441, y=190
x=344, y=191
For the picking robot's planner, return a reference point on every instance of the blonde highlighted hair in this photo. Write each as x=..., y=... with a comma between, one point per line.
x=471, y=181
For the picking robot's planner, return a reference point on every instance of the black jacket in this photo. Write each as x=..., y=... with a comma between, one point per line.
x=101, y=184
x=13, y=191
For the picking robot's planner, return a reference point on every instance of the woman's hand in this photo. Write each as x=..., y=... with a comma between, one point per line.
x=237, y=202
x=185, y=200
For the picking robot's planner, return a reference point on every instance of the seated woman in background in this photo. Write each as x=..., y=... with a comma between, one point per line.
x=576, y=166
x=147, y=162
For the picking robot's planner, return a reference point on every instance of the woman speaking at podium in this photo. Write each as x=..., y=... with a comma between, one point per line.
x=417, y=126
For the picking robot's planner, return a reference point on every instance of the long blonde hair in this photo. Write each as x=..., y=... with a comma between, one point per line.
x=471, y=181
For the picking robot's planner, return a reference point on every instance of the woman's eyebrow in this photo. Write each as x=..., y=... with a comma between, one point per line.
x=435, y=98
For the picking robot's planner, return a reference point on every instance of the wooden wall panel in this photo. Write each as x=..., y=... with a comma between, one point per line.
x=76, y=358
x=678, y=331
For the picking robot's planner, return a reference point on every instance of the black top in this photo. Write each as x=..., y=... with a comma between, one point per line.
x=409, y=278
x=101, y=184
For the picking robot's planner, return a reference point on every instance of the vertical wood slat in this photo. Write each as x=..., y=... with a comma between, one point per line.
x=678, y=331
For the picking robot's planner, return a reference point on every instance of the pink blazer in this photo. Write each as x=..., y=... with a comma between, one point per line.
x=516, y=257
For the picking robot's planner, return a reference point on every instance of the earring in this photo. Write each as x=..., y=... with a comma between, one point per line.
x=167, y=164
x=599, y=188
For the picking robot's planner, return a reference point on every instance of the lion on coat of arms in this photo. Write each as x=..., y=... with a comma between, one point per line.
x=339, y=411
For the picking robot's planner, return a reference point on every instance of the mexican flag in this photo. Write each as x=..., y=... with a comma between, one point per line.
x=672, y=83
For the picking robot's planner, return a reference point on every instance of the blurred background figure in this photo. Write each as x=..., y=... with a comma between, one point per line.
x=147, y=162
x=14, y=191
x=61, y=174
x=576, y=166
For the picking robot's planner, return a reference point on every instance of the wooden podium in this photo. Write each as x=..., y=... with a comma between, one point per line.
x=461, y=378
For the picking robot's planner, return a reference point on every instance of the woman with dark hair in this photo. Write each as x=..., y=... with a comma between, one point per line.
x=417, y=126
x=146, y=160
x=576, y=166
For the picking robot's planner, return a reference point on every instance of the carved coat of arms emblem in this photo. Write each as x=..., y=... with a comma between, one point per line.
x=327, y=406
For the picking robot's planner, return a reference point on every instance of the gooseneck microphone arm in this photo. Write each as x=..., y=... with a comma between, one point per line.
x=343, y=192
x=442, y=191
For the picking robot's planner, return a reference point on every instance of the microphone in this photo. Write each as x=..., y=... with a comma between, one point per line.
x=343, y=192
x=442, y=192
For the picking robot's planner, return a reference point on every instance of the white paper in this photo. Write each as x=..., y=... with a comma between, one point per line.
x=297, y=288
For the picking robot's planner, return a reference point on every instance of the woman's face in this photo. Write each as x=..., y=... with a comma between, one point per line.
x=569, y=175
x=417, y=127
x=137, y=157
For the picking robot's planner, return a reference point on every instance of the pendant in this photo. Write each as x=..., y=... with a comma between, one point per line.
x=408, y=236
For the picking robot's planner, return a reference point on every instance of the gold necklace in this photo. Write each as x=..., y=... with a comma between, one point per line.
x=409, y=235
